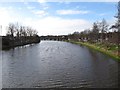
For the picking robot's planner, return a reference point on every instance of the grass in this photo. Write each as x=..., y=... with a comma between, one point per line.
x=108, y=49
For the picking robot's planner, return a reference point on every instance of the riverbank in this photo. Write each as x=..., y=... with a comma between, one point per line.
x=8, y=42
x=111, y=51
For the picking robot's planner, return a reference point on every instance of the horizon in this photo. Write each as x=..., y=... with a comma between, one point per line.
x=56, y=18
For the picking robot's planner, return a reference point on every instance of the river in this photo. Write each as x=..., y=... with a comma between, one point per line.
x=52, y=64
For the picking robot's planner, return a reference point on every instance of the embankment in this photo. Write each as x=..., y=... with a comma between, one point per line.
x=9, y=42
x=111, y=53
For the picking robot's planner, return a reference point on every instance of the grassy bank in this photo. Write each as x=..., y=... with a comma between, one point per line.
x=111, y=51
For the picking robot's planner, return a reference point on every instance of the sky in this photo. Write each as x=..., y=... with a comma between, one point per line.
x=56, y=18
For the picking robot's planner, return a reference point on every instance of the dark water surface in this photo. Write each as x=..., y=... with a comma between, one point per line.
x=52, y=64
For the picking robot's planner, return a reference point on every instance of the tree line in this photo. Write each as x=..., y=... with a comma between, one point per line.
x=17, y=30
x=19, y=35
x=100, y=31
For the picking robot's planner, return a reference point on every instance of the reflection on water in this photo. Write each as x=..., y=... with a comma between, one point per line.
x=57, y=64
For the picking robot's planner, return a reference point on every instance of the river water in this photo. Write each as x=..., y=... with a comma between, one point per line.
x=52, y=64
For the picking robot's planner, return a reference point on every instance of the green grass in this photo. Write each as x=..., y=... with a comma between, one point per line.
x=109, y=50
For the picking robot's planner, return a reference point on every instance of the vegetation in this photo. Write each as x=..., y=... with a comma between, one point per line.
x=100, y=37
x=18, y=35
x=16, y=30
x=111, y=51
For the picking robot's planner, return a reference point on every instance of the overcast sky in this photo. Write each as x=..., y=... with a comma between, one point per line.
x=56, y=18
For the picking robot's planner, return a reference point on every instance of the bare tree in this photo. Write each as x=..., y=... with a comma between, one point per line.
x=11, y=30
x=118, y=17
x=21, y=30
x=29, y=31
x=104, y=29
x=17, y=29
x=21, y=33
x=35, y=32
x=95, y=32
x=118, y=23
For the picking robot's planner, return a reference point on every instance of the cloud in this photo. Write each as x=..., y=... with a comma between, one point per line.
x=102, y=14
x=25, y=2
x=8, y=15
x=42, y=1
x=4, y=19
x=40, y=13
x=57, y=25
x=63, y=2
x=66, y=12
x=45, y=25
x=19, y=8
x=30, y=7
x=44, y=5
